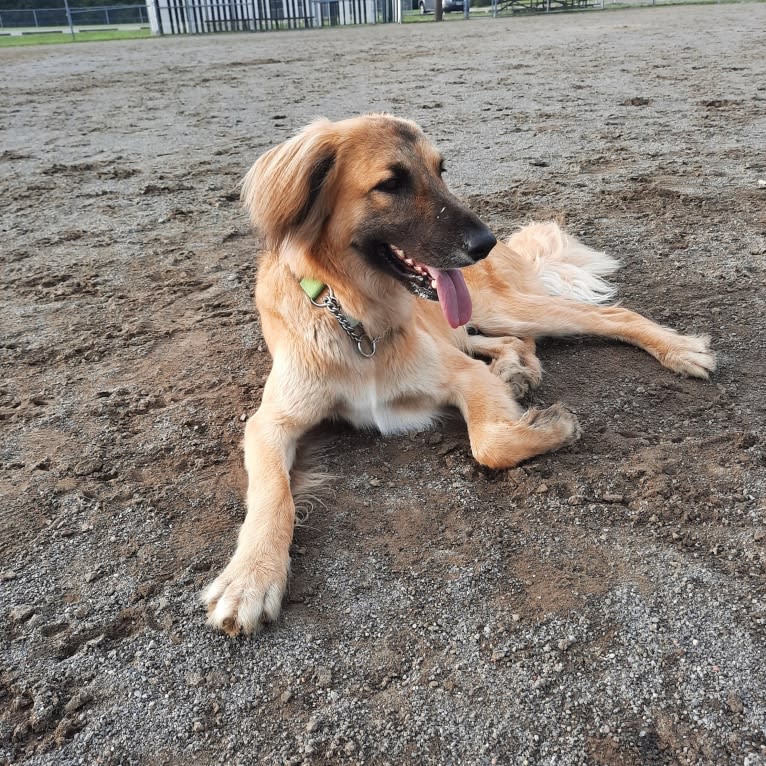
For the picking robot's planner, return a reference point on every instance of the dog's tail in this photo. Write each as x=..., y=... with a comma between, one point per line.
x=565, y=265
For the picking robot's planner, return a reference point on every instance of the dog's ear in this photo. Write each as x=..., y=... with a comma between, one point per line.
x=288, y=189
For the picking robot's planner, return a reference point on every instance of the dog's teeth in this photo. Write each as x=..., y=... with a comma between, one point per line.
x=409, y=261
x=419, y=269
x=433, y=283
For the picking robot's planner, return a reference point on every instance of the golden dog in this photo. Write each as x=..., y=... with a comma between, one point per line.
x=371, y=275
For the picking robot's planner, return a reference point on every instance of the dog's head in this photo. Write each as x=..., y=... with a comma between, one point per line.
x=368, y=190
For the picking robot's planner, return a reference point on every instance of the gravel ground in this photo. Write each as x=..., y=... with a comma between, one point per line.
x=601, y=605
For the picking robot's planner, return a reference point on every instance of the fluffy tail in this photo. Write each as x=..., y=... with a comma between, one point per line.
x=564, y=265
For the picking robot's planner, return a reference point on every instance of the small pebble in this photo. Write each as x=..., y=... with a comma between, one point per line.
x=21, y=613
x=324, y=677
x=80, y=699
x=734, y=703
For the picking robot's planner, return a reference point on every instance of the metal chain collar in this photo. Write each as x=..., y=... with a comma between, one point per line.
x=365, y=345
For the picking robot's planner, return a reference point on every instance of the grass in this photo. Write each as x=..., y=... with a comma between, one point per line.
x=49, y=38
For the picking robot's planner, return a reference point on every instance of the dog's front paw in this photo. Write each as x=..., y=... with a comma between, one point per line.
x=520, y=377
x=690, y=355
x=556, y=419
x=515, y=363
x=247, y=593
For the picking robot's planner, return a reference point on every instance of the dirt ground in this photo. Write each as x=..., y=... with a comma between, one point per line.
x=601, y=605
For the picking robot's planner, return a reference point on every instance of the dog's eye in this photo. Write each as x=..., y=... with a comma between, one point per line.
x=389, y=185
x=398, y=180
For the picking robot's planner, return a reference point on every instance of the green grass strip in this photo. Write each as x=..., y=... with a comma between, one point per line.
x=51, y=38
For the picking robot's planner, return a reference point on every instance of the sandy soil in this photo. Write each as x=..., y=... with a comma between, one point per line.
x=601, y=605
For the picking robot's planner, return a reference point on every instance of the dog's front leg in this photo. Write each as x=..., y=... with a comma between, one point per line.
x=503, y=435
x=513, y=360
x=249, y=591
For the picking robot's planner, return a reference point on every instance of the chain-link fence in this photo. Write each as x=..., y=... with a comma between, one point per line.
x=193, y=16
x=104, y=15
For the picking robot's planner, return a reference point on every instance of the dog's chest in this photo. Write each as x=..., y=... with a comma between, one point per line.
x=390, y=412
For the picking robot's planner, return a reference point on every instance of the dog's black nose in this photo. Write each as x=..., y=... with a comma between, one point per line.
x=479, y=242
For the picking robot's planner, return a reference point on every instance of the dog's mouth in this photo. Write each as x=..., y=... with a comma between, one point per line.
x=444, y=285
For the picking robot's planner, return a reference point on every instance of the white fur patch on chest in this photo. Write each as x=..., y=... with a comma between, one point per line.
x=365, y=408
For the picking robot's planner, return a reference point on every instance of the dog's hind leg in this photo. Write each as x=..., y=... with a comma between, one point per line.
x=539, y=316
x=513, y=360
x=544, y=282
x=502, y=435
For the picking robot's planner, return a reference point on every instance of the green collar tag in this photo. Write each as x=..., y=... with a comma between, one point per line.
x=312, y=287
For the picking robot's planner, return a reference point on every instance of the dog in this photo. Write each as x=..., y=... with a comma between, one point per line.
x=383, y=300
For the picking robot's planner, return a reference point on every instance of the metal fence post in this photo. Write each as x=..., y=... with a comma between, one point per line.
x=69, y=17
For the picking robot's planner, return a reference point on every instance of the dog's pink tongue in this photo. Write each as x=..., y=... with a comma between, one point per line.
x=454, y=297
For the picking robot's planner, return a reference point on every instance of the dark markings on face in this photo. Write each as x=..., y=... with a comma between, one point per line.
x=405, y=132
x=317, y=178
x=401, y=204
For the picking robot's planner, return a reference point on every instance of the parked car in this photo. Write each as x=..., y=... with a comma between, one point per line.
x=448, y=6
